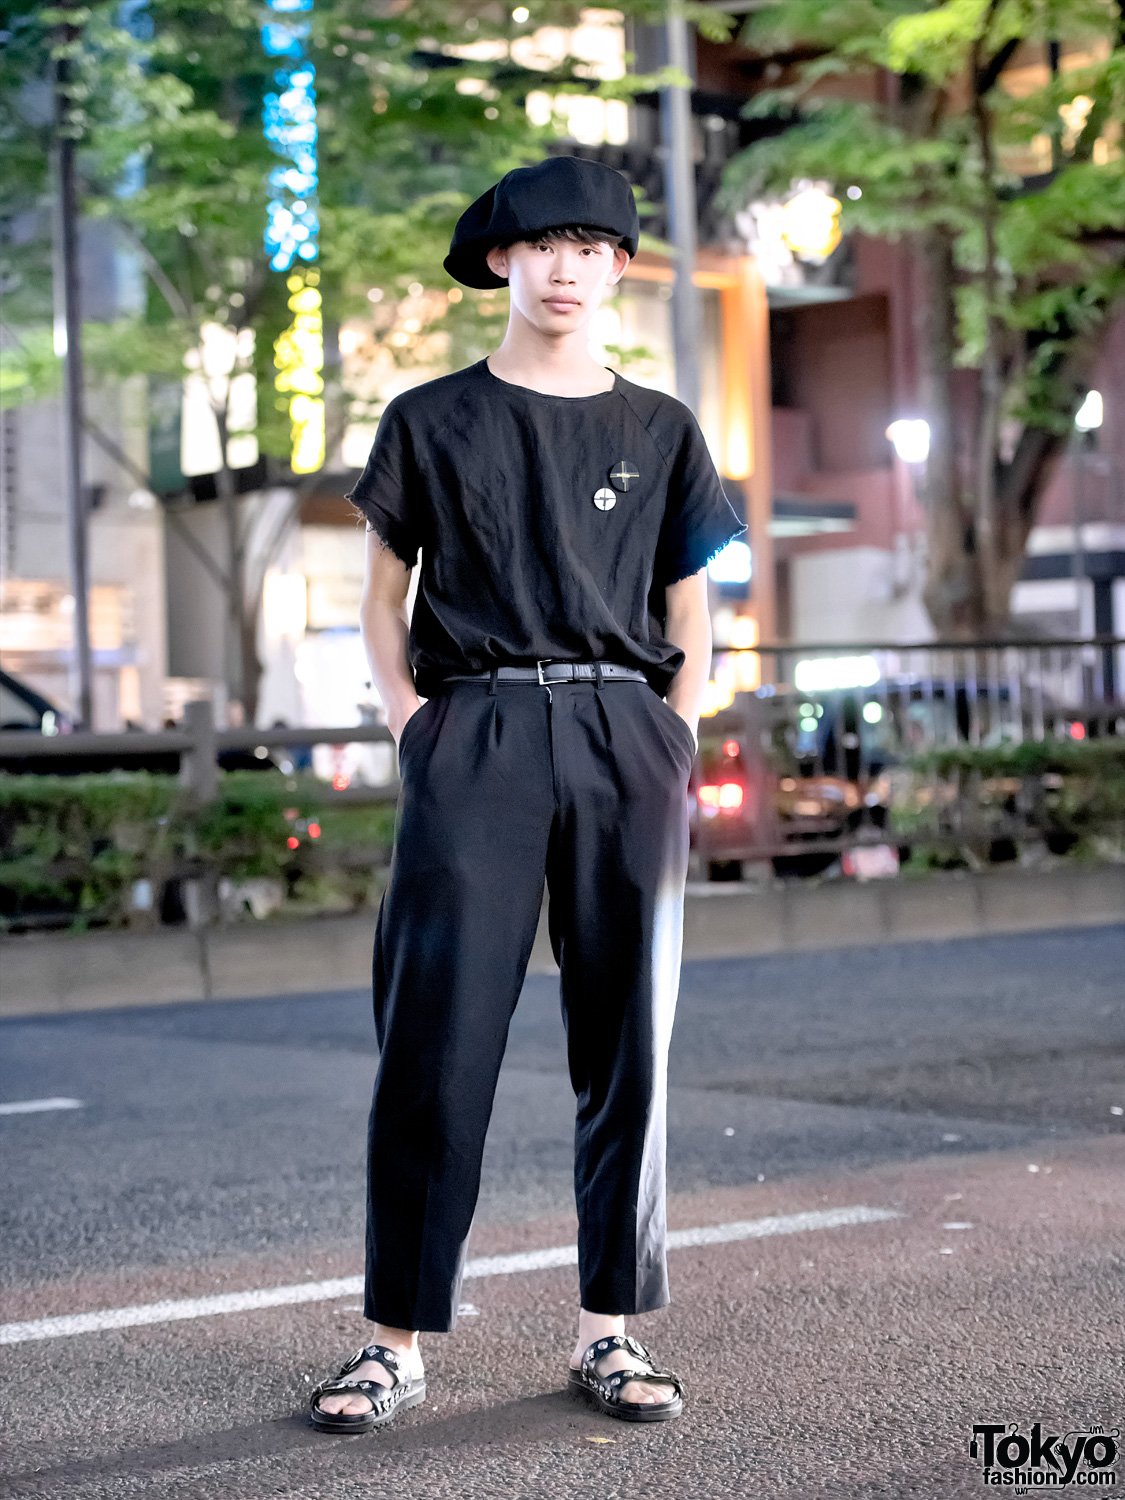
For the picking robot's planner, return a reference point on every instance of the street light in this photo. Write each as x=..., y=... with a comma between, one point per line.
x=810, y=221
x=1088, y=417
x=911, y=439
x=1087, y=420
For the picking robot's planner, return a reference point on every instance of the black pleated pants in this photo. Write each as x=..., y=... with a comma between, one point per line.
x=504, y=785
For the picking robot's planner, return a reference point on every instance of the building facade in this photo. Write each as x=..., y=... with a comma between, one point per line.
x=807, y=355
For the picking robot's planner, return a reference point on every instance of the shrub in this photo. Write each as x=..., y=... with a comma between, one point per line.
x=73, y=848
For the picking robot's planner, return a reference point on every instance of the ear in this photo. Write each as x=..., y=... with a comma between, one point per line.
x=497, y=260
x=621, y=260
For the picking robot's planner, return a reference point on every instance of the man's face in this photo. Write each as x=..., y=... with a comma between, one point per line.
x=558, y=284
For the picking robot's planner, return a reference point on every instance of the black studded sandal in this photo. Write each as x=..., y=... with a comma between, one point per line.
x=386, y=1401
x=605, y=1390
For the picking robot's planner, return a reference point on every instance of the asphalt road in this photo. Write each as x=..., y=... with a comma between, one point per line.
x=968, y=1096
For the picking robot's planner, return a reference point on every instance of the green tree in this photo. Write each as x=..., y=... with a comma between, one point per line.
x=1022, y=272
x=165, y=105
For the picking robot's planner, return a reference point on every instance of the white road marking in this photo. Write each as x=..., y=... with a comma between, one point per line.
x=33, y=1106
x=351, y=1286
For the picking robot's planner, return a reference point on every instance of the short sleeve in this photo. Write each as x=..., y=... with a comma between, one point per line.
x=699, y=520
x=387, y=493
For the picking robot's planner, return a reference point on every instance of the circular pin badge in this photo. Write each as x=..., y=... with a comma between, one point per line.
x=622, y=473
x=605, y=499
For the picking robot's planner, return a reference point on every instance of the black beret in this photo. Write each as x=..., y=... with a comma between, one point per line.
x=528, y=200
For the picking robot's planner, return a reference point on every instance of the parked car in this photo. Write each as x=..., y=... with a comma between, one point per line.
x=760, y=791
x=801, y=777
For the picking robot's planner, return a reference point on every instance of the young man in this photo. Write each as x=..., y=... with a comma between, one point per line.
x=561, y=639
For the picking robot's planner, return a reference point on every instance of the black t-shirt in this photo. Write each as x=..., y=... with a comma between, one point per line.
x=495, y=485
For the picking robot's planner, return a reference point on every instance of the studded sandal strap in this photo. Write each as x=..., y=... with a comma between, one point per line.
x=676, y=1381
x=612, y=1383
x=635, y=1346
x=379, y=1395
x=339, y=1382
x=339, y=1387
x=328, y=1385
x=601, y=1347
x=387, y=1358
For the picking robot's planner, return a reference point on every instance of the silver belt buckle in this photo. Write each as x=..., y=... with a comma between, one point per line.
x=539, y=669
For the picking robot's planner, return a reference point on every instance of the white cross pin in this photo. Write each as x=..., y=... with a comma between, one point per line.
x=622, y=475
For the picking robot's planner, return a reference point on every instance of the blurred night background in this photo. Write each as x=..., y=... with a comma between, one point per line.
x=883, y=259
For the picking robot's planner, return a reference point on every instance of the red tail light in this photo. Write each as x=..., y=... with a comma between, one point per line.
x=722, y=796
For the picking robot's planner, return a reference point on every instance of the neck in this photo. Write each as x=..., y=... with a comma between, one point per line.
x=559, y=364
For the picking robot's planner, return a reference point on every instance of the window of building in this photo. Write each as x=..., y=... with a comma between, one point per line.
x=632, y=330
x=1027, y=74
x=597, y=45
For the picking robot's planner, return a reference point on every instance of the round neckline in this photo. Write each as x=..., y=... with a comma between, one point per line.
x=527, y=390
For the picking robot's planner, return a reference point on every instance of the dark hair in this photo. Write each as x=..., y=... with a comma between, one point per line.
x=582, y=233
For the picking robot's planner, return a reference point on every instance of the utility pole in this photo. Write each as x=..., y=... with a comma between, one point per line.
x=679, y=194
x=68, y=345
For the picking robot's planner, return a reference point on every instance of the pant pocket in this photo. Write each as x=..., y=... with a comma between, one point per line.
x=406, y=737
x=680, y=725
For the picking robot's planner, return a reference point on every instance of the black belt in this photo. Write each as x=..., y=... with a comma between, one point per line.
x=571, y=671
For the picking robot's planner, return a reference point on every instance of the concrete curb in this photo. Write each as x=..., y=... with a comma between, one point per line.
x=61, y=972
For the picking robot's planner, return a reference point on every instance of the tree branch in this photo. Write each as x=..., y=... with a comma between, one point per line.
x=1026, y=476
x=180, y=306
x=988, y=75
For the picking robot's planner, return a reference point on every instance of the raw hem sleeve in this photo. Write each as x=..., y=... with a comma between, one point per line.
x=387, y=528
x=699, y=520
x=700, y=557
x=388, y=488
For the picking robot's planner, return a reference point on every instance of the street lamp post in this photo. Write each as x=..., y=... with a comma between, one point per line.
x=68, y=345
x=679, y=193
x=910, y=438
x=1087, y=420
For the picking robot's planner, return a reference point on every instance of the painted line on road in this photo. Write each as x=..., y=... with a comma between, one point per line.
x=34, y=1106
x=488, y=1265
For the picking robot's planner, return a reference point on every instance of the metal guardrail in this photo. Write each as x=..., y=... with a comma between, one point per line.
x=812, y=720
x=1040, y=678
x=807, y=760
x=198, y=744
x=1026, y=686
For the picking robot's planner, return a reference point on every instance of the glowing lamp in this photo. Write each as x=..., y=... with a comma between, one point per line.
x=733, y=564
x=820, y=674
x=721, y=797
x=911, y=439
x=1089, y=415
x=810, y=222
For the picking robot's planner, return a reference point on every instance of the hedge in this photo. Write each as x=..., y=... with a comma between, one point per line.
x=964, y=803
x=76, y=846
